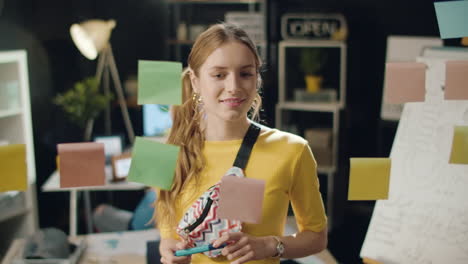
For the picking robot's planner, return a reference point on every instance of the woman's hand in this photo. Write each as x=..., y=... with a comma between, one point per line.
x=167, y=249
x=245, y=247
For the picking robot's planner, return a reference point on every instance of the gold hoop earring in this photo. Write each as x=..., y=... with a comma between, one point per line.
x=197, y=106
x=196, y=97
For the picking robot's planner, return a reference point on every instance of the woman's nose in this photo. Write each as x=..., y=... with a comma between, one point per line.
x=232, y=84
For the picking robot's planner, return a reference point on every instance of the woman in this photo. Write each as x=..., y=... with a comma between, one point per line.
x=220, y=87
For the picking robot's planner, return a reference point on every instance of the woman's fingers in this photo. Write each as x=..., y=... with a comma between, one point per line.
x=221, y=240
x=168, y=254
x=247, y=257
x=243, y=247
x=175, y=260
x=181, y=245
x=244, y=250
x=227, y=237
x=242, y=242
x=181, y=260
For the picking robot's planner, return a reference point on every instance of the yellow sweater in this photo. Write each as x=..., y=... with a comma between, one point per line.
x=286, y=164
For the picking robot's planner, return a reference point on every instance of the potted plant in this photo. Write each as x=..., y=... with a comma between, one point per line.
x=312, y=60
x=83, y=103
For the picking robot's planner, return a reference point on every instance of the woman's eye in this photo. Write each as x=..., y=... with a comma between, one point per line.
x=246, y=74
x=218, y=75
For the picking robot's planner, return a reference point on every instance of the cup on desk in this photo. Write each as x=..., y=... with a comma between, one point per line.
x=121, y=166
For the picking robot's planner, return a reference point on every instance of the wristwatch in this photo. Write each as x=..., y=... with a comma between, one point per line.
x=279, y=247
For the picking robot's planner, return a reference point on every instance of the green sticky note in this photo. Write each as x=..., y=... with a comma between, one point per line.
x=159, y=82
x=13, y=169
x=459, y=154
x=153, y=163
x=369, y=178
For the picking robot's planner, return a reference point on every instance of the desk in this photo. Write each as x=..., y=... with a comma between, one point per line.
x=130, y=249
x=53, y=185
x=126, y=248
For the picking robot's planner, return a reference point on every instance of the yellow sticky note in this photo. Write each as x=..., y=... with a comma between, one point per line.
x=370, y=261
x=13, y=172
x=459, y=153
x=369, y=178
x=464, y=41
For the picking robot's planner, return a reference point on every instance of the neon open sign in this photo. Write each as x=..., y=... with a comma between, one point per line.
x=311, y=26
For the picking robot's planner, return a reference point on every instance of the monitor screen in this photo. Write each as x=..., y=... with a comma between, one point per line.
x=156, y=120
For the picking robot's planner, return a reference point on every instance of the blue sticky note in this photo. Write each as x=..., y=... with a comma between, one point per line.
x=452, y=17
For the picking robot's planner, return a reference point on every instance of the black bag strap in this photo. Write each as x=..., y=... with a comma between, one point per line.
x=247, y=145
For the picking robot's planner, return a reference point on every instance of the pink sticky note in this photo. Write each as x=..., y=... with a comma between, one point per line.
x=456, y=80
x=405, y=82
x=241, y=199
x=81, y=164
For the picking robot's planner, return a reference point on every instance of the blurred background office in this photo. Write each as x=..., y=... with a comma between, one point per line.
x=145, y=29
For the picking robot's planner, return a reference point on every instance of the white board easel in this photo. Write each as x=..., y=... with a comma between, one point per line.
x=425, y=219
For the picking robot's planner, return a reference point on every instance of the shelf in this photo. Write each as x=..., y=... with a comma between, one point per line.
x=290, y=53
x=191, y=42
x=10, y=112
x=216, y=1
x=18, y=210
x=326, y=169
x=14, y=213
x=303, y=106
x=307, y=43
x=12, y=206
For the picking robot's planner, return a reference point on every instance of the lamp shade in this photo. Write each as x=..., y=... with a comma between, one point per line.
x=91, y=36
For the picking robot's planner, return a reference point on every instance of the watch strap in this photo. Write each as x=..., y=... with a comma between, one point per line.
x=279, y=247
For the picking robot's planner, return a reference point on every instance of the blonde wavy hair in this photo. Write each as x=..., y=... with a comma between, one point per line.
x=186, y=131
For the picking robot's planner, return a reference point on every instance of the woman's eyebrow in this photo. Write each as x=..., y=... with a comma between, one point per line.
x=218, y=68
x=224, y=67
x=248, y=66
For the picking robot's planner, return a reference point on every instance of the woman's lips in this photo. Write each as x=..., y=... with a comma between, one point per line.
x=232, y=102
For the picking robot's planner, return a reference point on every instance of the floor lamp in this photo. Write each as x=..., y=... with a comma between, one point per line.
x=91, y=37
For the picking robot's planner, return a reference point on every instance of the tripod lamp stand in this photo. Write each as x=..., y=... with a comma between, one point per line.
x=91, y=37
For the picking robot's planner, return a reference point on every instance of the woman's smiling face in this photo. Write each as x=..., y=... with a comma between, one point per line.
x=227, y=82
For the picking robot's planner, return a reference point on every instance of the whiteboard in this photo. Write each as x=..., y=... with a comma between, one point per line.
x=403, y=48
x=449, y=53
x=425, y=219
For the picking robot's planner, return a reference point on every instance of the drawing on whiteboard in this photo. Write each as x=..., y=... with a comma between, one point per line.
x=425, y=219
x=465, y=116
